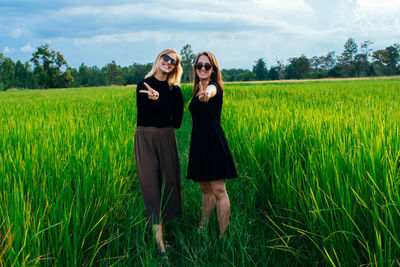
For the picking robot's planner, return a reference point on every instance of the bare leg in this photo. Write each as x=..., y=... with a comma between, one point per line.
x=158, y=230
x=208, y=203
x=223, y=205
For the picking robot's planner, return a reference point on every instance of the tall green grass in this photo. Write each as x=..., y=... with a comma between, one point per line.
x=318, y=165
x=327, y=154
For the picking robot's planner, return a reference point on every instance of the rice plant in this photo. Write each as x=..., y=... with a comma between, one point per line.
x=318, y=164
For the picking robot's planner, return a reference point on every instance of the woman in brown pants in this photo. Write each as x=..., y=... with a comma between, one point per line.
x=159, y=110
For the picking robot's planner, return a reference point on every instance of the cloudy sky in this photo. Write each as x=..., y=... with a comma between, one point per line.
x=237, y=31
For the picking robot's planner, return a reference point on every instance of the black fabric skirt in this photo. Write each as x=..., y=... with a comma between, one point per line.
x=210, y=158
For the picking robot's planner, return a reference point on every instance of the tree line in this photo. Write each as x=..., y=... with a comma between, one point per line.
x=49, y=69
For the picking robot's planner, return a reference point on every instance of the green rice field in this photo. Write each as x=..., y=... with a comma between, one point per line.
x=319, y=185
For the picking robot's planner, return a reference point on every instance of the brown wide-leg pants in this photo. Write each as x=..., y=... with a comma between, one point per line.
x=157, y=164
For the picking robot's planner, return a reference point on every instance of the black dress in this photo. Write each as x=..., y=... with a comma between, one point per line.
x=209, y=158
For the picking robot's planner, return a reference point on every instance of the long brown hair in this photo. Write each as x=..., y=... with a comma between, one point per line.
x=174, y=77
x=215, y=75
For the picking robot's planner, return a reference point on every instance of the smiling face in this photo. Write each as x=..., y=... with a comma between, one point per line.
x=165, y=65
x=203, y=73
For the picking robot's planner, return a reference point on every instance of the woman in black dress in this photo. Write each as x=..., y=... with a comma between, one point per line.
x=159, y=110
x=210, y=160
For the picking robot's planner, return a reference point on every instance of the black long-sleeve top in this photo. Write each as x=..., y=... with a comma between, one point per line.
x=166, y=111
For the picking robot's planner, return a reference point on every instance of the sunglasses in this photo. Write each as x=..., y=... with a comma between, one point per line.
x=167, y=58
x=207, y=66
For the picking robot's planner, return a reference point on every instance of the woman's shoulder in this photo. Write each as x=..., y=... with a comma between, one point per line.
x=213, y=83
x=148, y=80
x=141, y=82
x=219, y=89
x=176, y=88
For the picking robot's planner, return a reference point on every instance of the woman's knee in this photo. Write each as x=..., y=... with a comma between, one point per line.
x=206, y=188
x=220, y=193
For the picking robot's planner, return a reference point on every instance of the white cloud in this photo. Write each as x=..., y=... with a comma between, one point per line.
x=16, y=33
x=82, y=11
x=27, y=48
x=381, y=5
x=7, y=50
x=115, y=11
x=193, y=12
x=95, y=32
x=378, y=19
x=285, y=5
x=122, y=37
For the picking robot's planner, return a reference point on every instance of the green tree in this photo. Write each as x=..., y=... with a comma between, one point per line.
x=246, y=75
x=231, y=75
x=350, y=50
x=112, y=73
x=22, y=75
x=187, y=61
x=67, y=78
x=75, y=74
x=7, y=72
x=324, y=63
x=346, y=59
x=83, y=75
x=290, y=69
x=366, y=48
x=48, y=64
x=298, y=68
x=135, y=72
x=302, y=67
x=1, y=76
x=393, y=52
x=273, y=73
x=361, y=65
x=386, y=60
x=97, y=76
x=260, y=69
x=316, y=70
x=280, y=67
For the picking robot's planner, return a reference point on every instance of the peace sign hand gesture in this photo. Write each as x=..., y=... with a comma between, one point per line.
x=151, y=93
x=204, y=96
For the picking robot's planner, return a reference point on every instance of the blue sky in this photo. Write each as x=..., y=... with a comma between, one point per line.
x=238, y=32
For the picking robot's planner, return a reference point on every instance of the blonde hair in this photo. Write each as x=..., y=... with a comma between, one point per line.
x=174, y=77
x=215, y=75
